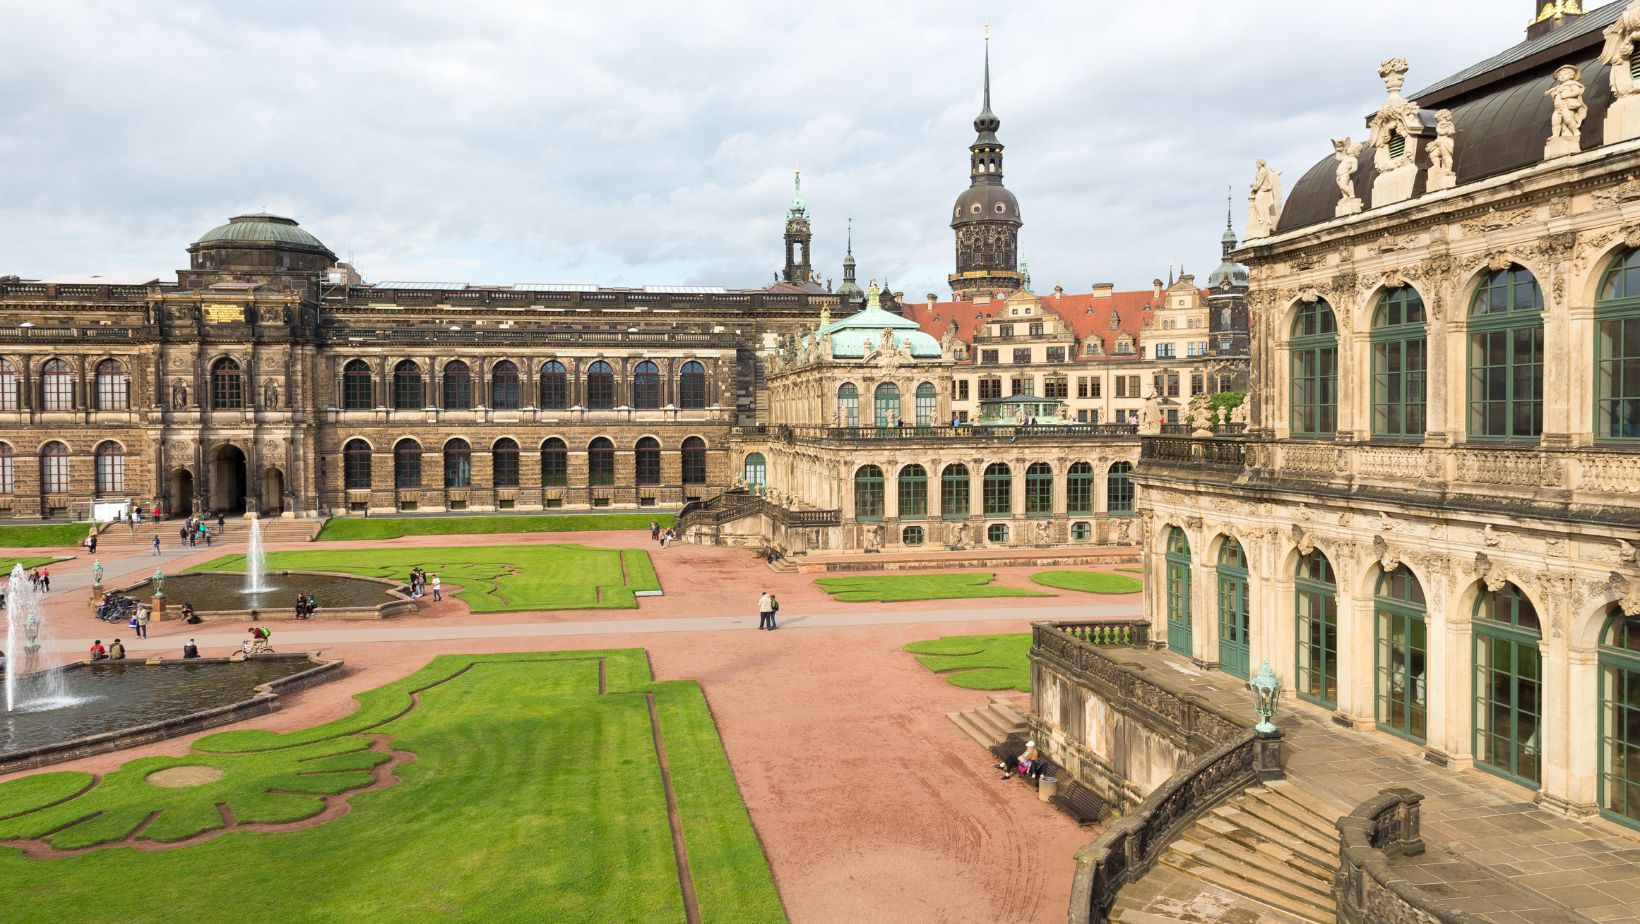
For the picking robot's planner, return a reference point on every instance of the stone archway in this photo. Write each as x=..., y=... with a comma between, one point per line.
x=273, y=492
x=229, y=480
x=182, y=493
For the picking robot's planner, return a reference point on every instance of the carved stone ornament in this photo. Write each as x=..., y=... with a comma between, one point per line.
x=1441, y=153
x=1303, y=540
x=1309, y=295
x=1348, y=154
x=1387, y=560
x=1624, y=554
x=1263, y=201
x=1498, y=261
x=179, y=394
x=1489, y=573
x=1566, y=125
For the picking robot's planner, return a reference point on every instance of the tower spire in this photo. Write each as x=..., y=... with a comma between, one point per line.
x=987, y=106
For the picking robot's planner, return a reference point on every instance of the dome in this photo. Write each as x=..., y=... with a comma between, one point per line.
x=261, y=228
x=986, y=202
x=860, y=333
x=1228, y=272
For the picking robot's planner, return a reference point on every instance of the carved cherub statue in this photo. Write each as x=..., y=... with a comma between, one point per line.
x=1445, y=143
x=1349, y=160
x=1570, y=109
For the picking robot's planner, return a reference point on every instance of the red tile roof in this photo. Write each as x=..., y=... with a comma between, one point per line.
x=1087, y=315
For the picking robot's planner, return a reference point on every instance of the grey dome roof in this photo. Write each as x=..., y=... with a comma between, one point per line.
x=1235, y=273
x=987, y=197
x=261, y=228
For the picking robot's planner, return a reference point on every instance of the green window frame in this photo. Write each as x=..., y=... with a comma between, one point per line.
x=928, y=401
x=1079, y=489
x=1619, y=790
x=1617, y=351
x=1316, y=622
x=1235, y=622
x=756, y=470
x=997, y=490
x=1179, y=635
x=885, y=405
x=955, y=496
x=848, y=405
x=1314, y=365
x=1119, y=490
x=1400, y=366
x=868, y=493
x=1506, y=357
x=912, y=487
x=1401, y=656
x=1508, y=687
x=1039, y=490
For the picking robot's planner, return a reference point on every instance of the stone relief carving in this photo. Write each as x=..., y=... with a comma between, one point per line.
x=1263, y=201
x=1623, y=554
x=179, y=394
x=958, y=535
x=1387, y=560
x=1497, y=540
x=874, y=536
x=1303, y=540
x=1628, y=191
x=1488, y=573
x=1044, y=532
x=1499, y=219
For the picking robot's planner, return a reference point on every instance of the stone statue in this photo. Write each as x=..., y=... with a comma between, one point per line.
x=1019, y=415
x=1348, y=154
x=1618, y=51
x=1566, y=125
x=1150, y=418
x=959, y=535
x=948, y=342
x=1263, y=201
x=874, y=536
x=1441, y=151
x=886, y=341
x=270, y=394
x=1238, y=414
x=179, y=395
x=1397, y=115
x=1044, y=532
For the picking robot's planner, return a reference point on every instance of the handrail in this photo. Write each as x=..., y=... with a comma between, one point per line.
x=1366, y=886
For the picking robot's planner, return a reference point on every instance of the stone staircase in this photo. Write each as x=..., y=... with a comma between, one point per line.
x=992, y=723
x=117, y=537
x=1269, y=854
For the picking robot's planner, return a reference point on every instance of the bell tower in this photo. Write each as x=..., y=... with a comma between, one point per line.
x=799, y=266
x=986, y=216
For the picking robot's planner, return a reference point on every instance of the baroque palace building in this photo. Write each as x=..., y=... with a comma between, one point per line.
x=1430, y=527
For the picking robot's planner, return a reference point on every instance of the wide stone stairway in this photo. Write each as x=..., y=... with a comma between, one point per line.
x=237, y=529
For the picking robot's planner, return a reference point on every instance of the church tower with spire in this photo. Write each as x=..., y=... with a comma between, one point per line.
x=799, y=266
x=986, y=217
x=853, y=295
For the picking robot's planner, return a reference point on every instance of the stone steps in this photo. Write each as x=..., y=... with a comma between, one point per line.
x=990, y=724
x=116, y=536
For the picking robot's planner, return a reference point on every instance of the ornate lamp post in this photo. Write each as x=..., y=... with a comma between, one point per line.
x=1266, y=689
x=159, y=590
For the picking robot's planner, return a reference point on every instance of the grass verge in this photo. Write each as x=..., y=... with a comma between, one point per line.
x=979, y=662
x=44, y=535
x=893, y=588
x=1088, y=582
x=355, y=528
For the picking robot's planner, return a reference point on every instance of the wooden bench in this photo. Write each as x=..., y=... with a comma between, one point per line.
x=1074, y=799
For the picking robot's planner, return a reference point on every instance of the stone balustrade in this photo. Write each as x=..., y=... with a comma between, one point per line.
x=1367, y=886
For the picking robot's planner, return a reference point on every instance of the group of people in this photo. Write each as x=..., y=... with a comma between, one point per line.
x=663, y=536
x=194, y=529
x=257, y=642
x=40, y=579
x=1028, y=764
x=767, y=606
x=306, y=606
x=420, y=581
x=114, y=652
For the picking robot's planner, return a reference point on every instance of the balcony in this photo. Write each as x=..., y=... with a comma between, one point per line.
x=974, y=434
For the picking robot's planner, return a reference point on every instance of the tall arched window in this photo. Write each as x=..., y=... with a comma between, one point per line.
x=1315, y=371
x=1235, y=635
x=694, y=460
x=848, y=405
x=886, y=403
x=912, y=492
x=356, y=465
x=928, y=402
x=8, y=469
x=1506, y=357
x=1039, y=490
x=408, y=391
x=554, y=385
x=997, y=490
x=692, y=386
x=955, y=497
x=756, y=470
x=458, y=386
x=1179, y=627
x=1079, y=489
x=648, y=458
x=54, y=470
x=407, y=464
x=1400, y=365
x=600, y=462
x=358, y=393
x=504, y=463
x=10, y=386
x=646, y=386
x=1620, y=718
x=458, y=464
x=600, y=386
x=868, y=493
x=227, y=385
x=1317, y=612
x=1617, y=351
x=1119, y=490
x=56, y=386
x=110, y=459
x=554, y=462
x=1508, y=686
x=113, y=386
x=1402, y=685
x=504, y=386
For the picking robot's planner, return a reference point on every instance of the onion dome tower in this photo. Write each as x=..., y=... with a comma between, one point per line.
x=986, y=216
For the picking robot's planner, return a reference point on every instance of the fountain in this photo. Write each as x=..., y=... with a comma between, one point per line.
x=28, y=684
x=256, y=562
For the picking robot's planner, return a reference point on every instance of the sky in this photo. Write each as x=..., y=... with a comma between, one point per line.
x=653, y=143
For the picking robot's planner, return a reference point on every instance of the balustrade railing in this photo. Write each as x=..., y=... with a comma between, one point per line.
x=1367, y=887
x=964, y=433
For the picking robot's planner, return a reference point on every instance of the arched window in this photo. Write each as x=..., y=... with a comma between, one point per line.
x=408, y=392
x=928, y=402
x=692, y=386
x=504, y=386
x=1508, y=686
x=648, y=457
x=1400, y=365
x=113, y=386
x=848, y=405
x=600, y=386
x=1620, y=718
x=1119, y=489
x=357, y=393
x=1179, y=627
x=1039, y=490
x=1617, y=352
x=56, y=386
x=887, y=405
x=227, y=385
x=756, y=470
x=600, y=462
x=356, y=465
x=8, y=469
x=110, y=458
x=1315, y=371
x=997, y=491
x=1506, y=357
x=868, y=493
x=1401, y=686
x=407, y=464
x=955, y=502
x=504, y=463
x=54, y=472
x=912, y=492
x=554, y=462
x=1317, y=612
x=646, y=386
x=458, y=464
x=1079, y=489
x=10, y=390
x=458, y=386
x=694, y=460
x=554, y=385
x=1235, y=635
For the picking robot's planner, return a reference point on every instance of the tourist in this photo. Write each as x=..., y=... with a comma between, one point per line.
x=156, y=513
x=765, y=611
x=1028, y=764
x=312, y=605
x=205, y=531
x=301, y=607
x=190, y=617
x=98, y=652
x=437, y=592
x=654, y=531
x=141, y=621
x=116, y=651
x=183, y=533
x=156, y=545
x=190, y=650
x=221, y=521
x=45, y=579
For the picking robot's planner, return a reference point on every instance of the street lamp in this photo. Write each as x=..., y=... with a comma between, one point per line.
x=1266, y=689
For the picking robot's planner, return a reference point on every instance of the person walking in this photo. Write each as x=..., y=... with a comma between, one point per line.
x=156, y=545
x=774, y=610
x=221, y=521
x=654, y=531
x=437, y=589
x=190, y=650
x=143, y=615
x=765, y=611
x=45, y=579
x=116, y=651
x=91, y=543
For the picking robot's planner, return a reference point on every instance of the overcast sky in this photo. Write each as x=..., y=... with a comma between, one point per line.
x=631, y=143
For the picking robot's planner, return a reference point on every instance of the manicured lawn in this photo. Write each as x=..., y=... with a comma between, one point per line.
x=890, y=588
x=1092, y=582
x=493, y=579
x=394, y=527
x=43, y=536
x=530, y=797
x=27, y=563
x=979, y=662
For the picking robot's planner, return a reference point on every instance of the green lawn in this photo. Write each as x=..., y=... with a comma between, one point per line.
x=1092, y=582
x=27, y=563
x=530, y=797
x=891, y=588
x=43, y=535
x=394, y=527
x=979, y=662
x=493, y=579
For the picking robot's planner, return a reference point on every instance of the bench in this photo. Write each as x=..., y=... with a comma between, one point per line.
x=1074, y=799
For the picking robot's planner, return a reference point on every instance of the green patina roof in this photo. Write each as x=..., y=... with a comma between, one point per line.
x=261, y=228
x=859, y=333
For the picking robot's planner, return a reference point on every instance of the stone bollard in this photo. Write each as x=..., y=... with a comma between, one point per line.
x=159, y=608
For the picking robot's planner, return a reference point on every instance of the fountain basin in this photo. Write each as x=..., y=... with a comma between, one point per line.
x=128, y=703
x=221, y=595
